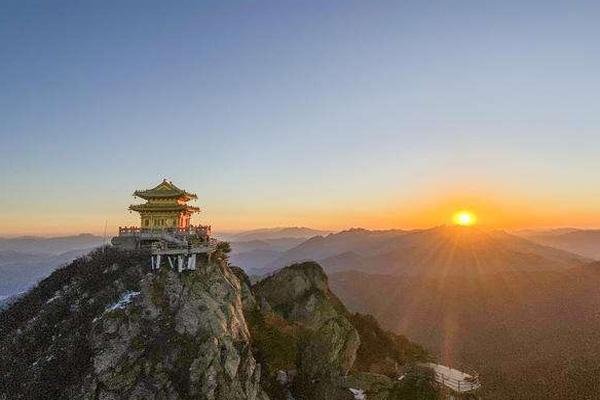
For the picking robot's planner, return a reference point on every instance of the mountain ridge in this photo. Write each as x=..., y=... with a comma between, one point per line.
x=106, y=327
x=274, y=233
x=53, y=244
x=437, y=250
x=585, y=242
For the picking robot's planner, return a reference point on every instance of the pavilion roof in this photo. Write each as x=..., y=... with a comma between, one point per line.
x=163, y=207
x=165, y=189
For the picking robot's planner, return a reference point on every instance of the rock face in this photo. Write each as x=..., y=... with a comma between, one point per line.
x=183, y=336
x=119, y=332
x=328, y=344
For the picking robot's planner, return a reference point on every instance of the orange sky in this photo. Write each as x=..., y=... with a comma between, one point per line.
x=407, y=213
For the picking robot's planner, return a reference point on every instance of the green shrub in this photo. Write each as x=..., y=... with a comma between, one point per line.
x=418, y=384
x=274, y=340
x=378, y=345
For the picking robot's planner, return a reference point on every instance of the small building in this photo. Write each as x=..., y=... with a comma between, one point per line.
x=166, y=229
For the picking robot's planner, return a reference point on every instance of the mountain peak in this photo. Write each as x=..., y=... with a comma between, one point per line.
x=105, y=326
x=119, y=332
x=294, y=290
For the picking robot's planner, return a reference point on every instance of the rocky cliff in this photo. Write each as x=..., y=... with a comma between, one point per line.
x=327, y=341
x=106, y=328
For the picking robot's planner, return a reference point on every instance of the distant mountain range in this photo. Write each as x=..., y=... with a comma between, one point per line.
x=494, y=300
x=26, y=260
x=521, y=308
x=523, y=313
x=255, y=254
x=273, y=233
x=258, y=248
x=445, y=250
x=585, y=242
x=52, y=245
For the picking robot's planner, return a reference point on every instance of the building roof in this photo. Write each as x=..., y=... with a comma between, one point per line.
x=163, y=207
x=163, y=190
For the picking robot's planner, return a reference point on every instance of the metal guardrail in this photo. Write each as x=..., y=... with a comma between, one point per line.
x=449, y=377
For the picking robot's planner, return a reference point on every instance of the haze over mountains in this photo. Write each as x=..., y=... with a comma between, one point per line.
x=50, y=245
x=523, y=313
x=25, y=260
x=441, y=250
x=273, y=233
x=521, y=308
x=259, y=247
x=585, y=242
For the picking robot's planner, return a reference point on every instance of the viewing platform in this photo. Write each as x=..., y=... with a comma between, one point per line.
x=135, y=237
x=178, y=247
x=459, y=384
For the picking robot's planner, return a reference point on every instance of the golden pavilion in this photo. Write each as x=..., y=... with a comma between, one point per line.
x=166, y=207
x=166, y=229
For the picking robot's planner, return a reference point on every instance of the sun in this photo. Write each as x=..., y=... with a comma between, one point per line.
x=464, y=218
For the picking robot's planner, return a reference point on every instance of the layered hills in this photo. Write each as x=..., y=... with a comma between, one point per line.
x=274, y=233
x=26, y=260
x=257, y=248
x=521, y=312
x=585, y=242
x=439, y=251
x=52, y=245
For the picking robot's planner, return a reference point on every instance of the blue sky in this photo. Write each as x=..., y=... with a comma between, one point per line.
x=331, y=114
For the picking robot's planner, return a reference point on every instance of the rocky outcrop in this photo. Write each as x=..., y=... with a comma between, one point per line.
x=105, y=328
x=328, y=342
x=183, y=336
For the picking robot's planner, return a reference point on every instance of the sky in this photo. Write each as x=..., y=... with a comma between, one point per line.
x=332, y=114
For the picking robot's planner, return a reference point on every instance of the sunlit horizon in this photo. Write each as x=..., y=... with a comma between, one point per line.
x=337, y=115
x=222, y=224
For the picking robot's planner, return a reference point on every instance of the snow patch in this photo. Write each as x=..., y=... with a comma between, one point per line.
x=55, y=297
x=358, y=394
x=124, y=300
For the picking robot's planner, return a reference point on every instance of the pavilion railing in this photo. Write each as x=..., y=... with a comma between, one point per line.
x=201, y=230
